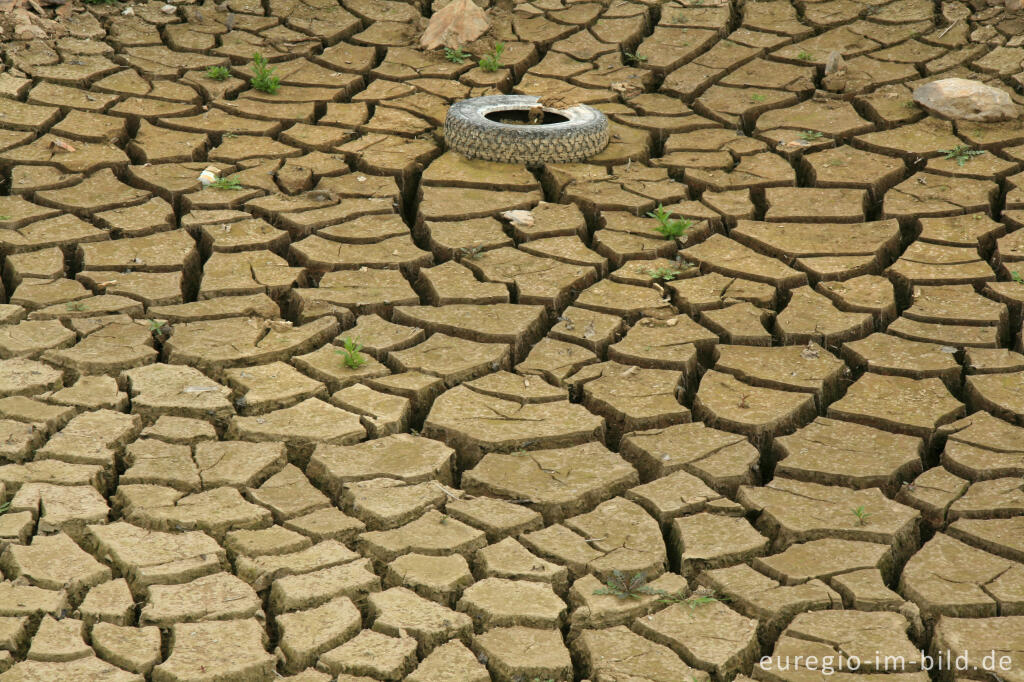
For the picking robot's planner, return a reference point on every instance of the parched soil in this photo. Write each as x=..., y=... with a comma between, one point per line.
x=346, y=418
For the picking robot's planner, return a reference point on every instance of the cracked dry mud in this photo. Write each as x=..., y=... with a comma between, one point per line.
x=574, y=449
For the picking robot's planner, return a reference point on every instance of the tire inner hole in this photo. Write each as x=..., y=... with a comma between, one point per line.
x=521, y=117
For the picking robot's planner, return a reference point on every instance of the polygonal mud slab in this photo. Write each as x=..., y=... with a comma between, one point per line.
x=810, y=316
x=433, y=534
x=614, y=652
x=218, y=344
x=935, y=264
x=233, y=648
x=998, y=394
x=630, y=398
x=168, y=390
x=450, y=662
x=498, y=603
x=217, y=512
x=148, y=557
x=915, y=407
x=401, y=456
x=475, y=424
x=949, y=578
x=353, y=580
x=262, y=571
x=289, y=494
x=628, y=538
x=497, y=518
x=220, y=596
x=307, y=634
x=853, y=633
x=134, y=649
x=537, y=280
x=383, y=503
x=740, y=323
x=516, y=325
x=810, y=369
x=301, y=428
x=558, y=483
x=691, y=632
x=439, y=579
x=759, y=413
x=722, y=460
x=893, y=355
x=824, y=559
x=352, y=292
x=706, y=541
x=674, y=495
x=55, y=562
x=961, y=635
x=519, y=652
x=757, y=596
x=794, y=511
x=714, y=290
x=453, y=359
x=834, y=452
x=81, y=668
x=61, y=508
x=981, y=446
x=401, y=612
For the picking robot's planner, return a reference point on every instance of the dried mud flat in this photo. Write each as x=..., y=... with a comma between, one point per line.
x=796, y=431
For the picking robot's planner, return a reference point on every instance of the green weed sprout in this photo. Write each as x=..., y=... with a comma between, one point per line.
x=263, y=75
x=671, y=228
x=492, y=62
x=350, y=354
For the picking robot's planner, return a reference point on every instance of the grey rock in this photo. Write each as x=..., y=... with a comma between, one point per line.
x=965, y=100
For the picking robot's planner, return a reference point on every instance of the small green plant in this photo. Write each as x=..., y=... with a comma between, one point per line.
x=471, y=252
x=910, y=104
x=492, y=62
x=805, y=55
x=862, y=515
x=961, y=154
x=75, y=306
x=756, y=98
x=634, y=58
x=157, y=327
x=668, y=226
x=701, y=600
x=456, y=56
x=701, y=597
x=810, y=135
x=350, y=354
x=99, y=2
x=263, y=76
x=665, y=274
x=4, y=507
x=218, y=73
x=226, y=183
x=618, y=585
x=5, y=217
x=1016, y=276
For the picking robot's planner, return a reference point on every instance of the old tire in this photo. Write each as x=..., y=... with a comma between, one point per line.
x=467, y=130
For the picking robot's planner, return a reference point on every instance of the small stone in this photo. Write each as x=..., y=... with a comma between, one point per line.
x=965, y=100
